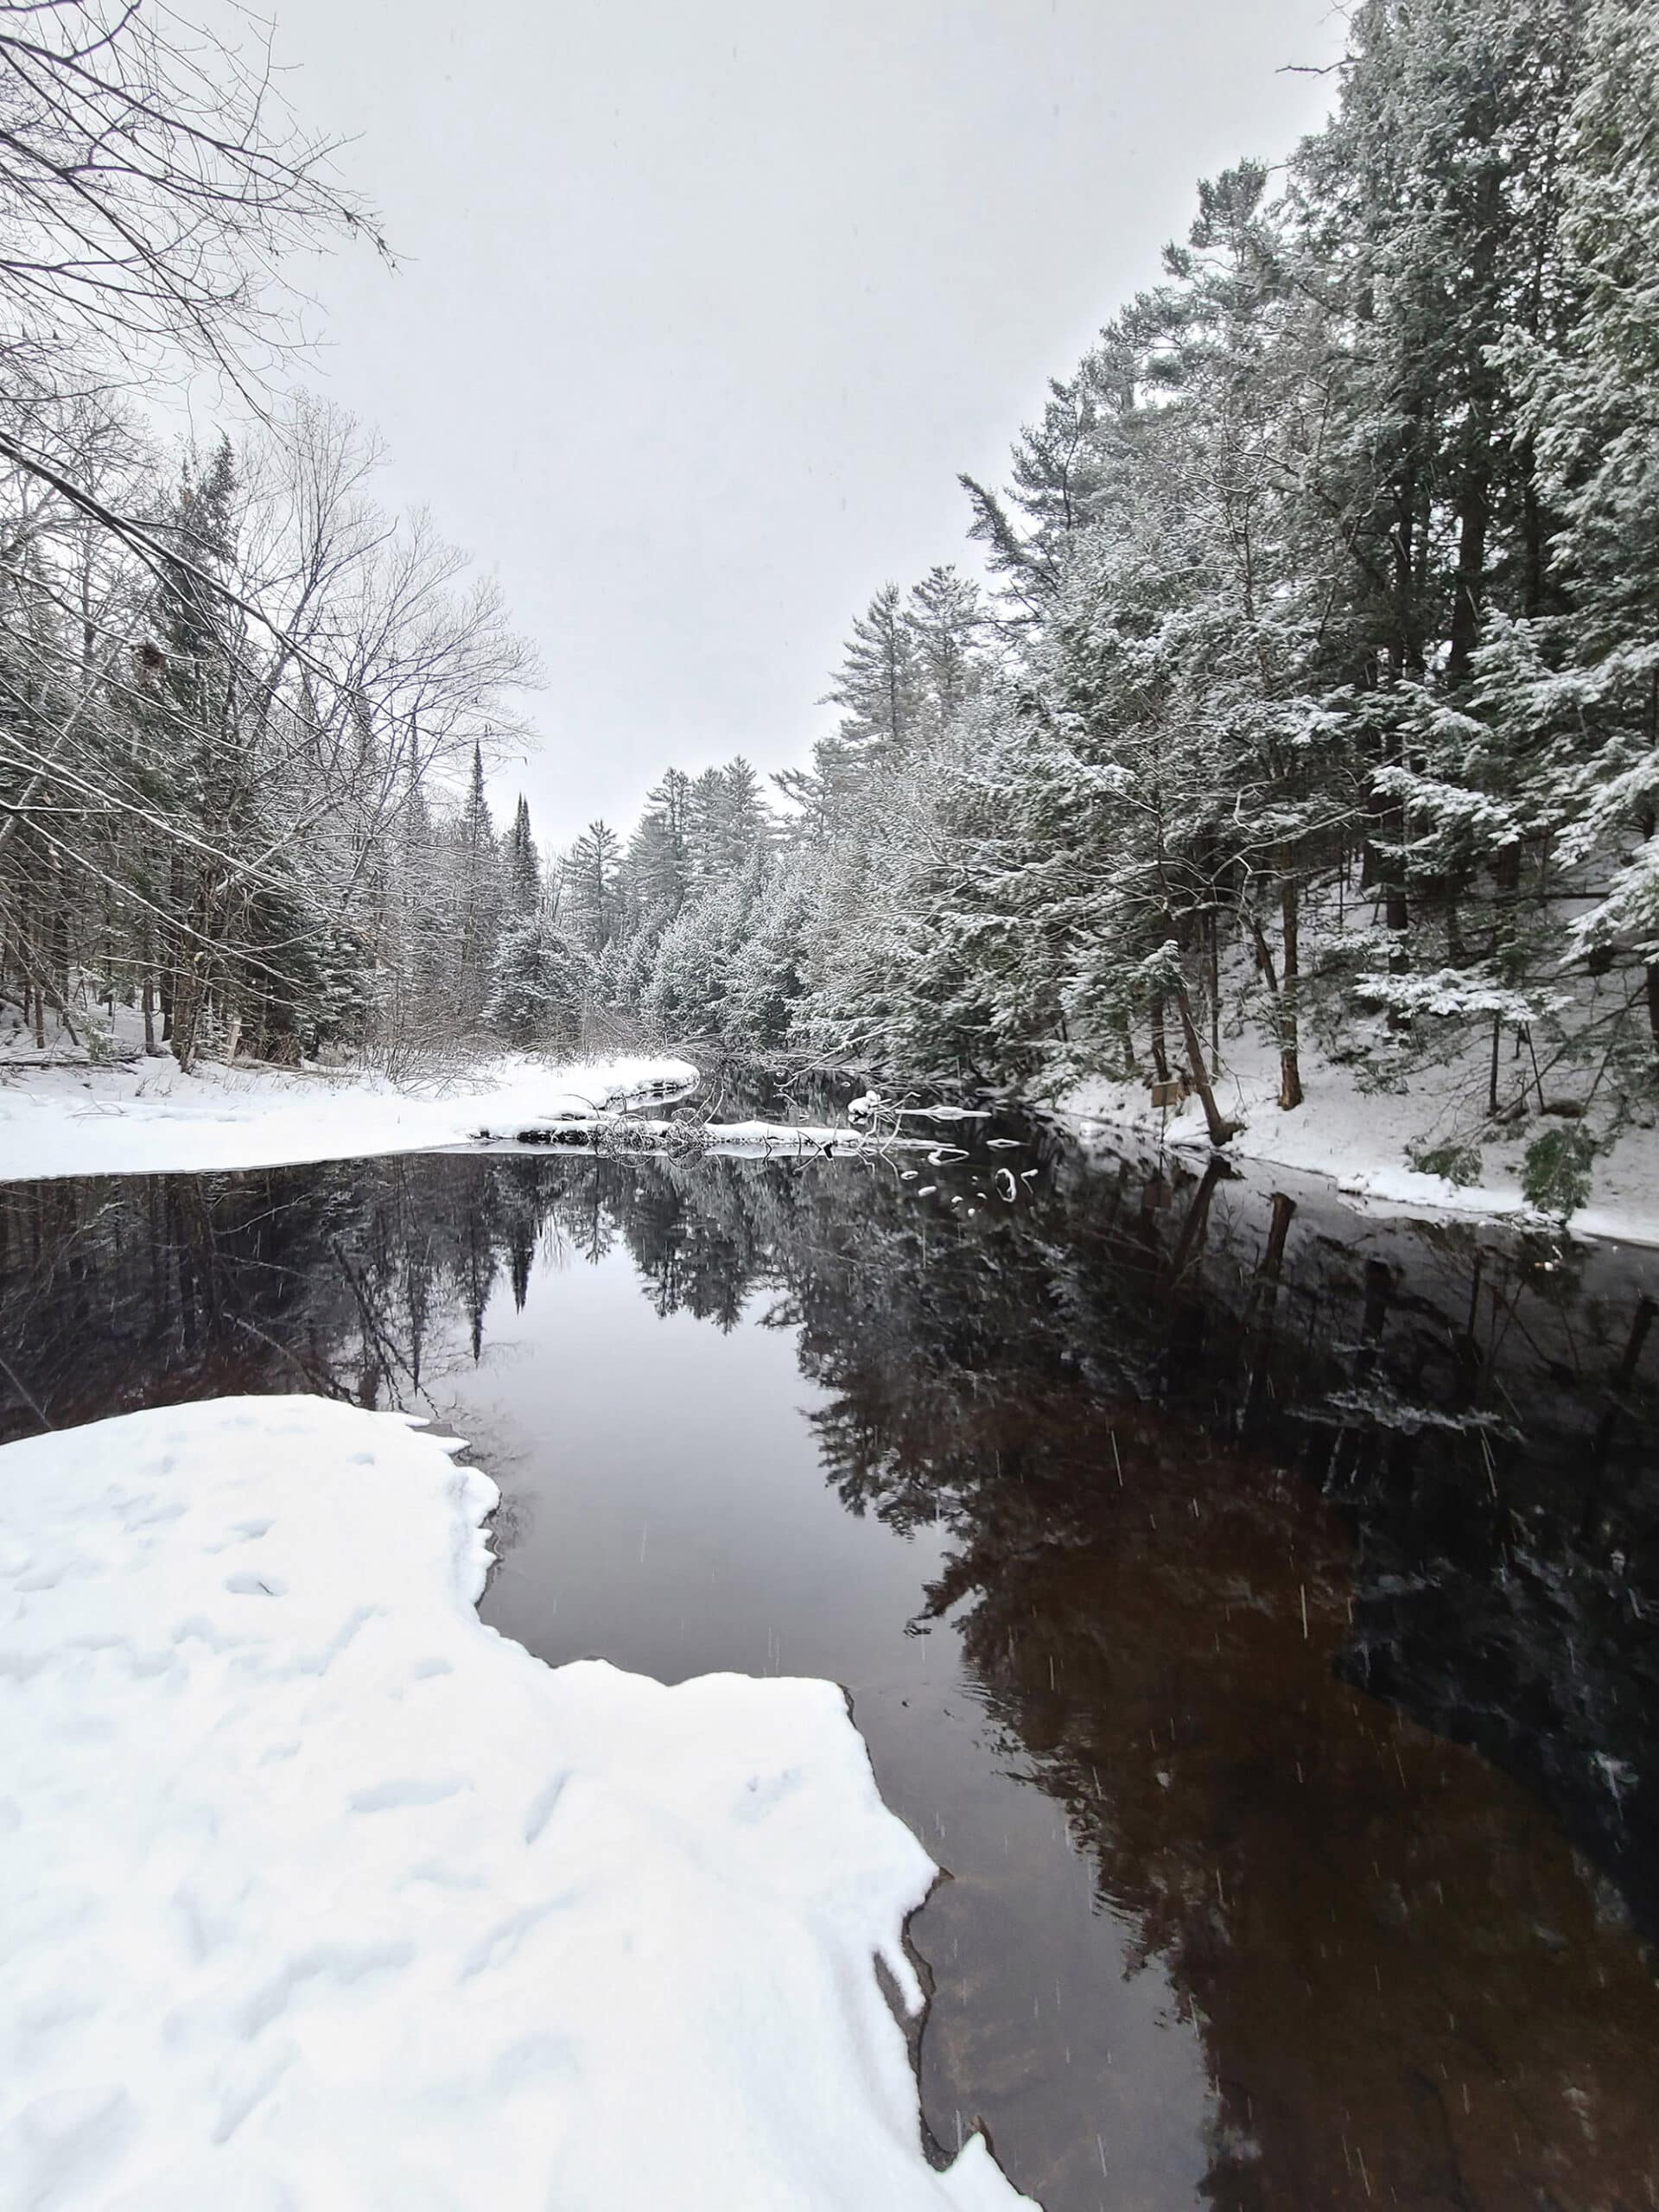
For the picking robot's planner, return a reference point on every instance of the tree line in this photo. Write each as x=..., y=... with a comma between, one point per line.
x=1314, y=684
x=1311, y=687
x=239, y=705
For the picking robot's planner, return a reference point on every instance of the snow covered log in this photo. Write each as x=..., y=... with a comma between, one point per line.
x=319, y=1894
x=620, y=1134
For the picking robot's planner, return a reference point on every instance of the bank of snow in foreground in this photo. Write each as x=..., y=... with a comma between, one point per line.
x=321, y=1894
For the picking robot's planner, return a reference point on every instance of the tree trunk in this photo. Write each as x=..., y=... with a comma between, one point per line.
x=1290, y=1065
x=1284, y=1011
x=1221, y=1129
x=1469, y=586
x=186, y=1016
x=1159, y=1049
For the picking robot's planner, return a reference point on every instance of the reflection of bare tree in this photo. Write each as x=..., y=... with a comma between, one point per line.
x=337, y=1280
x=364, y=1280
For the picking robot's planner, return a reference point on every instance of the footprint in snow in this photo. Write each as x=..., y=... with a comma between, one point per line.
x=764, y=1793
x=388, y=1796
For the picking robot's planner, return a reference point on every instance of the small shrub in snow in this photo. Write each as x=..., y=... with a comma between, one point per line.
x=1555, y=1177
x=1458, y=1163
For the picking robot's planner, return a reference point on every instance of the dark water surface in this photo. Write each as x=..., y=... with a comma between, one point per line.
x=1252, y=1606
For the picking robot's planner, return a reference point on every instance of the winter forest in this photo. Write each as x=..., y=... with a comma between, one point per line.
x=791, y=1423
x=1301, y=682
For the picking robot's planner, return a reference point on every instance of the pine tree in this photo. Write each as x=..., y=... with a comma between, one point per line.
x=538, y=985
x=592, y=887
x=476, y=896
x=876, y=685
x=744, y=821
x=521, y=867
x=944, y=619
x=658, y=864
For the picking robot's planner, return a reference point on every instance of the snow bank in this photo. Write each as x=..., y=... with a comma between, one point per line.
x=320, y=1895
x=149, y=1119
x=1359, y=1139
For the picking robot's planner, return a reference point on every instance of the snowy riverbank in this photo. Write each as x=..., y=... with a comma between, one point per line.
x=1359, y=1140
x=320, y=1893
x=147, y=1118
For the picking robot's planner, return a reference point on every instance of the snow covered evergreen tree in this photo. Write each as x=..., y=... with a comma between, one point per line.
x=521, y=867
x=539, y=982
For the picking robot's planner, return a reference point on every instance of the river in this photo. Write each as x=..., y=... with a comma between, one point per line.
x=1250, y=1603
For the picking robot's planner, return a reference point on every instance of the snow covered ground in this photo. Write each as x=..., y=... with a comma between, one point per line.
x=322, y=1896
x=1359, y=1139
x=148, y=1118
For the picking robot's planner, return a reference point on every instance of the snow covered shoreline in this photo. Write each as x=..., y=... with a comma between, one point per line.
x=1357, y=1142
x=320, y=1893
x=149, y=1119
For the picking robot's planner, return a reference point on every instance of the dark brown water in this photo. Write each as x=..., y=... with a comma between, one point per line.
x=1250, y=1605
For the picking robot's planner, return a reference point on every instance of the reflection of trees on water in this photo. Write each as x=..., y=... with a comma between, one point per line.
x=363, y=1280
x=1213, y=1466
x=1472, y=1411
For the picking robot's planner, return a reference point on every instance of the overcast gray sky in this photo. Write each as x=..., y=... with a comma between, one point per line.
x=705, y=302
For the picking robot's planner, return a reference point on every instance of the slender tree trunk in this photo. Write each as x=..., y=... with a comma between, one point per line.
x=1506, y=876
x=1532, y=525
x=1290, y=1064
x=1406, y=659
x=1221, y=1129
x=1284, y=1011
x=1160, y=1048
x=1475, y=492
x=1470, y=583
